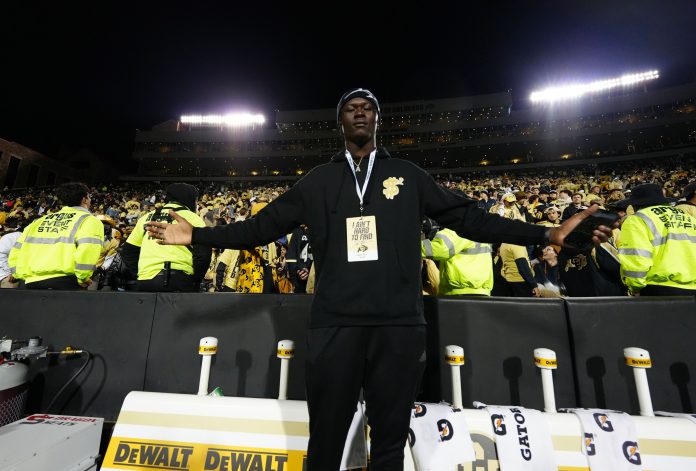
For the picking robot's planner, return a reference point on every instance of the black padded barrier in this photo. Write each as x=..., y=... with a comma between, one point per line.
x=114, y=327
x=499, y=336
x=602, y=327
x=147, y=341
x=248, y=328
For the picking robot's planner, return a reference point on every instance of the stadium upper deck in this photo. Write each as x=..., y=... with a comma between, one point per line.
x=443, y=135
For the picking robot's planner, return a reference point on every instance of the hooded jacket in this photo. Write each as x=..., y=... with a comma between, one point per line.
x=386, y=291
x=184, y=194
x=145, y=259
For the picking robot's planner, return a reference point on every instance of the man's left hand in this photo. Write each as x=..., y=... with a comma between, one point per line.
x=601, y=234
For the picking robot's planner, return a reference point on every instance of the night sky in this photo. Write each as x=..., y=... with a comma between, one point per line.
x=87, y=74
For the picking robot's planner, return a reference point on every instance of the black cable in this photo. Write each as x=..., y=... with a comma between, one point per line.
x=88, y=357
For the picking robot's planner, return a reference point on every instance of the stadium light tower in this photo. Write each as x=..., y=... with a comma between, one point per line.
x=232, y=120
x=578, y=90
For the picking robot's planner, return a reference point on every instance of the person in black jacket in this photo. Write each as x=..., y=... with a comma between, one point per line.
x=299, y=258
x=364, y=211
x=546, y=268
x=575, y=206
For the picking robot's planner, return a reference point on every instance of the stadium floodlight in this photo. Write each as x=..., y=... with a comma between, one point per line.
x=233, y=120
x=577, y=90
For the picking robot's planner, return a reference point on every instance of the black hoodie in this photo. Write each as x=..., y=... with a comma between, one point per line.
x=381, y=292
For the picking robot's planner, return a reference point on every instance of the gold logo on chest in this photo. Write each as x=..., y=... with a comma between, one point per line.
x=391, y=187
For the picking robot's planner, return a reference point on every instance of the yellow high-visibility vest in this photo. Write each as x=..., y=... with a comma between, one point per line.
x=67, y=242
x=658, y=247
x=152, y=254
x=466, y=266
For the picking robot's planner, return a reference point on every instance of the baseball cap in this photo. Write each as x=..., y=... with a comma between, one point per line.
x=356, y=93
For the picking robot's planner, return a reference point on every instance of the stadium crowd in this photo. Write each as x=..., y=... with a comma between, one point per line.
x=451, y=265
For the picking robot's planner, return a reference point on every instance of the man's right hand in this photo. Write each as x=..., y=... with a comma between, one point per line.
x=171, y=234
x=601, y=234
x=303, y=274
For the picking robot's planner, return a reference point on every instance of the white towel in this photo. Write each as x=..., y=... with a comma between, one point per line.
x=439, y=437
x=522, y=439
x=610, y=441
x=691, y=417
x=355, y=449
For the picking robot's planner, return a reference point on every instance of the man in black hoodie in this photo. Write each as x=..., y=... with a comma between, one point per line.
x=364, y=211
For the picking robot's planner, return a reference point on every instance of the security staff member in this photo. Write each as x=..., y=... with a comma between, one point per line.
x=60, y=250
x=162, y=268
x=657, y=248
x=466, y=267
x=364, y=211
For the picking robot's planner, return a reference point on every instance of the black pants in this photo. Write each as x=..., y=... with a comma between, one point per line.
x=62, y=283
x=387, y=362
x=520, y=289
x=654, y=290
x=501, y=287
x=178, y=281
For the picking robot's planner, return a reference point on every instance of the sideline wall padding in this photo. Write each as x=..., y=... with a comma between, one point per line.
x=147, y=341
x=114, y=327
x=248, y=328
x=665, y=326
x=499, y=336
x=431, y=384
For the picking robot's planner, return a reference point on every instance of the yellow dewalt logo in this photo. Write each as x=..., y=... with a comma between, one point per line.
x=456, y=359
x=144, y=455
x=284, y=352
x=203, y=349
x=221, y=459
x=152, y=455
x=644, y=362
x=546, y=362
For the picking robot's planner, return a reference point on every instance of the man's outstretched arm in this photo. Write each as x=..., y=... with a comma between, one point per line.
x=277, y=219
x=463, y=216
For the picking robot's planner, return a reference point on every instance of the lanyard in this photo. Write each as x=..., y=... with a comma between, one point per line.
x=361, y=192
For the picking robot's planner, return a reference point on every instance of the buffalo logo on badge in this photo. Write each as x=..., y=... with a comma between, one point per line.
x=446, y=429
x=391, y=185
x=630, y=451
x=498, y=424
x=603, y=421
